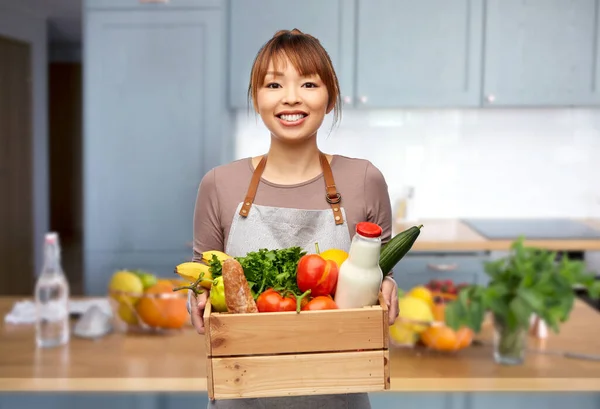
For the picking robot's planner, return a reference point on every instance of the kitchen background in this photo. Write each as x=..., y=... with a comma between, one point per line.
x=487, y=108
x=483, y=108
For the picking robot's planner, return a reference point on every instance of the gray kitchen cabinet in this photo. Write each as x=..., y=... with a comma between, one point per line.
x=418, y=53
x=418, y=269
x=253, y=23
x=154, y=123
x=541, y=53
x=151, y=5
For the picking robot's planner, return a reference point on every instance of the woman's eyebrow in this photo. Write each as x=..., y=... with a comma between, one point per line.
x=275, y=73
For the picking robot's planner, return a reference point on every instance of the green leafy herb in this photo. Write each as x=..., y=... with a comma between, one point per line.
x=266, y=269
x=528, y=281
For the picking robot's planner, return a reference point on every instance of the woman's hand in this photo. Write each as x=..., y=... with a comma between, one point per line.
x=389, y=290
x=198, y=302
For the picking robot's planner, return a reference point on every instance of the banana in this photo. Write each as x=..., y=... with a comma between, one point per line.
x=207, y=256
x=190, y=271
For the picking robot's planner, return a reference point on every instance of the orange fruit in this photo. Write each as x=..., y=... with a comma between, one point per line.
x=169, y=312
x=443, y=338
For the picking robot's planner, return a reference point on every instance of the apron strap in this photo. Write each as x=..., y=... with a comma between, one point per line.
x=253, y=187
x=332, y=196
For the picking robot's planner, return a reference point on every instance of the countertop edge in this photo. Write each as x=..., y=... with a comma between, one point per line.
x=397, y=385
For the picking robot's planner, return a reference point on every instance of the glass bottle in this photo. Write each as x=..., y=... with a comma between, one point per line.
x=52, y=298
x=360, y=277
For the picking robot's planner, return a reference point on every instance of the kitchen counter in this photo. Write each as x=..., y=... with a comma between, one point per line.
x=455, y=235
x=176, y=363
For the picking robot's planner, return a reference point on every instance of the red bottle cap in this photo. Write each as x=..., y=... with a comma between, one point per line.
x=368, y=229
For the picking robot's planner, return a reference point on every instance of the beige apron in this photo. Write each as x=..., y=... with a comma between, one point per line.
x=256, y=226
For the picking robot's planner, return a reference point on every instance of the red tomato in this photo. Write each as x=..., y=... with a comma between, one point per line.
x=272, y=301
x=320, y=303
x=316, y=274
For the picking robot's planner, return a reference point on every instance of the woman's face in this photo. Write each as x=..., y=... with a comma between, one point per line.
x=291, y=106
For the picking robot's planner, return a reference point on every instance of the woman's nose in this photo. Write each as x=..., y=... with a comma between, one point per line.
x=291, y=96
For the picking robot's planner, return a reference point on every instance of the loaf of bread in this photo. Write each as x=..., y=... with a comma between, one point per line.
x=238, y=296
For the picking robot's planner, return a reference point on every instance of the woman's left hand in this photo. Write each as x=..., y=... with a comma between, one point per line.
x=389, y=291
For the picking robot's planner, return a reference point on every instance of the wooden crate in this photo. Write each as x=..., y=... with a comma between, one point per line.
x=290, y=354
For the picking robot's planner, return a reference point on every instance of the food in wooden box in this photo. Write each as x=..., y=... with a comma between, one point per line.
x=237, y=291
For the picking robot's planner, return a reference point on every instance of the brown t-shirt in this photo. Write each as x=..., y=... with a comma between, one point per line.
x=362, y=186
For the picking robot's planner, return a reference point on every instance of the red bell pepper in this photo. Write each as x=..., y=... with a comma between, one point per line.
x=316, y=274
x=272, y=301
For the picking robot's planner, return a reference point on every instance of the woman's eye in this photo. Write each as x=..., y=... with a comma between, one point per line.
x=273, y=85
x=310, y=85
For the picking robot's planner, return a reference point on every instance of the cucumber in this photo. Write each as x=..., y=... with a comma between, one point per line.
x=393, y=251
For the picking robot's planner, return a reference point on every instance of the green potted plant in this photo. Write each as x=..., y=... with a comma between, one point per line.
x=528, y=281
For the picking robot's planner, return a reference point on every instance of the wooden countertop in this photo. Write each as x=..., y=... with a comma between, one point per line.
x=454, y=235
x=176, y=363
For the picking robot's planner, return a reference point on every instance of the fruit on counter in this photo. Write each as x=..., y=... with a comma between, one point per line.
x=402, y=335
x=446, y=286
x=395, y=249
x=161, y=308
x=192, y=271
x=126, y=312
x=415, y=313
x=337, y=255
x=423, y=293
x=148, y=279
x=321, y=302
x=316, y=274
x=272, y=301
x=217, y=295
x=125, y=287
x=444, y=338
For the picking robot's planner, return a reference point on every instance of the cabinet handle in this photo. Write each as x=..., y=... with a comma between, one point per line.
x=363, y=99
x=347, y=100
x=442, y=267
x=491, y=98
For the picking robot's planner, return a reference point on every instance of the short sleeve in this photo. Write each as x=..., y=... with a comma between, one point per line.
x=208, y=233
x=378, y=203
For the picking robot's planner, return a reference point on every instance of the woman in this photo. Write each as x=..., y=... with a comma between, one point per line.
x=295, y=195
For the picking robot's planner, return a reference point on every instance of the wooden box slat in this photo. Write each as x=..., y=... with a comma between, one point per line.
x=319, y=331
x=298, y=375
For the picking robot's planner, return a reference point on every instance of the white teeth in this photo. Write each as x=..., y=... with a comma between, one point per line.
x=292, y=118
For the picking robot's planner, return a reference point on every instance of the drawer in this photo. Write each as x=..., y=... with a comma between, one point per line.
x=415, y=270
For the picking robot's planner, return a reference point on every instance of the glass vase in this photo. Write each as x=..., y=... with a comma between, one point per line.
x=509, y=343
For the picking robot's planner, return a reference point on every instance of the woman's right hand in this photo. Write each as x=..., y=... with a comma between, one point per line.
x=198, y=302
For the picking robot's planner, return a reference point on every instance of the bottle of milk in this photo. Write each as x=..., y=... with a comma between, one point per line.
x=360, y=276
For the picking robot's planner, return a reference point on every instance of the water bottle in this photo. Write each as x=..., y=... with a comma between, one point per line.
x=52, y=298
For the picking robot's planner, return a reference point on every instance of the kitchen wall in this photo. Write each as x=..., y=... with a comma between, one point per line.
x=487, y=163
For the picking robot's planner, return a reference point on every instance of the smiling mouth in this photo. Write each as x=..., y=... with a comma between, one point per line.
x=292, y=117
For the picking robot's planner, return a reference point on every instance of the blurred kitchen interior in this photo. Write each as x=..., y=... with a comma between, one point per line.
x=460, y=162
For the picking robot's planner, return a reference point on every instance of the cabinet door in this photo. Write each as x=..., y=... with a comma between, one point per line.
x=541, y=53
x=418, y=53
x=153, y=110
x=253, y=23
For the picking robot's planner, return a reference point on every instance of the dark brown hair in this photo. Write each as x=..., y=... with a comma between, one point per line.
x=307, y=55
